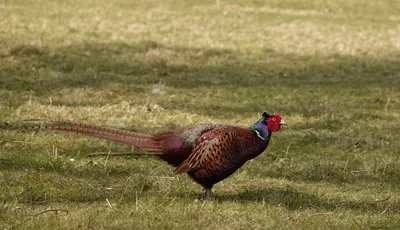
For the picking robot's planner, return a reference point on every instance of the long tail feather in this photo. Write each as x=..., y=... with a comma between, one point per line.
x=130, y=138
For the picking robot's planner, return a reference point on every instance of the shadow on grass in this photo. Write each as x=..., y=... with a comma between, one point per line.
x=148, y=62
x=298, y=200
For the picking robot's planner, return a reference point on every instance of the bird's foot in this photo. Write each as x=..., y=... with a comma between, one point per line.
x=207, y=194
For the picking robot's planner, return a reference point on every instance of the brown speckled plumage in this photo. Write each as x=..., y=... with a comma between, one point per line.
x=208, y=153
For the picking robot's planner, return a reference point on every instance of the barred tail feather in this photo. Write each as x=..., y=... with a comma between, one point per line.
x=130, y=138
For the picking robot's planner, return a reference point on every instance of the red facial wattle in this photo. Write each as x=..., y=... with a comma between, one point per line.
x=274, y=123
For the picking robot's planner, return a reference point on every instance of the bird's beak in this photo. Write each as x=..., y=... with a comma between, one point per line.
x=282, y=122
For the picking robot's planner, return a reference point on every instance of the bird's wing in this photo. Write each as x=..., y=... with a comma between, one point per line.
x=212, y=146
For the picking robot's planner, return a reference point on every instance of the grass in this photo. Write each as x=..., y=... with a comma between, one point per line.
x=330, y=68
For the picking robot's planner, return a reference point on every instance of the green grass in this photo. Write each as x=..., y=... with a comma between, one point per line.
x=330, y=68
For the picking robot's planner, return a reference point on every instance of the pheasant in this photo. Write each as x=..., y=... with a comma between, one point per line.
x=208, y=153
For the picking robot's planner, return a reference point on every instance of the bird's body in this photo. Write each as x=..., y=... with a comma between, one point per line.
x=208, y=153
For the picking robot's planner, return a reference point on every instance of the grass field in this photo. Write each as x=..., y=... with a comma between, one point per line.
x=330, y=68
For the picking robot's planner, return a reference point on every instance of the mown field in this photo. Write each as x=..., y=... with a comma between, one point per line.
x=330, y=68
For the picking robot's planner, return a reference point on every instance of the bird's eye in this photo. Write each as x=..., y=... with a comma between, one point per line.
x=273, y=119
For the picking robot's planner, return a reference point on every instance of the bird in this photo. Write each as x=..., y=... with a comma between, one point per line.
x=208, y=153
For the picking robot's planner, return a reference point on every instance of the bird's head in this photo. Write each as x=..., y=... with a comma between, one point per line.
x=274, y=121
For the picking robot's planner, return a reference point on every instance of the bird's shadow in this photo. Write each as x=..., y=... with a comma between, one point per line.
x=288, y=197
x=295, y=199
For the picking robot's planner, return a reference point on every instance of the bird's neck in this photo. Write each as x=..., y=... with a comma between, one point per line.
x=260, y=127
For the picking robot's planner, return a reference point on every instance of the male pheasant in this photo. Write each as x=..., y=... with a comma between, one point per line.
x=208, y=153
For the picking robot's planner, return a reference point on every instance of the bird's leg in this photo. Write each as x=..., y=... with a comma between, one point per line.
x=207, y=194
